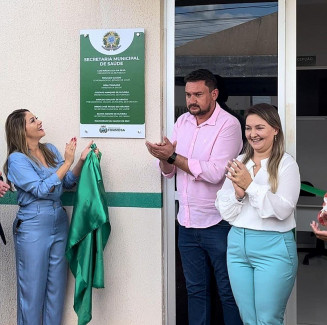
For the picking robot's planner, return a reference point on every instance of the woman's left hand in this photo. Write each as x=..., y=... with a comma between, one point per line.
x=238, y=174
x=87, y=150
x=320, y=234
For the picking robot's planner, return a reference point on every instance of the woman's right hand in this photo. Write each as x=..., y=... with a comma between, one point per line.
x=70, y=151
x=4, y=187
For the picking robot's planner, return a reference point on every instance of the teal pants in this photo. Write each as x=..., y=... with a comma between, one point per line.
x=262, y=267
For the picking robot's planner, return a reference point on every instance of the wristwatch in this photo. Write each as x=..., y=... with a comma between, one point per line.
x=172, y=158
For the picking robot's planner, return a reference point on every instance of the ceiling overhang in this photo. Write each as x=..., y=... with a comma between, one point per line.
x=184, y=3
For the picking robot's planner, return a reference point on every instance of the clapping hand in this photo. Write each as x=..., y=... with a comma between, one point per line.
x=320, y=234
x=322, y=218
x=70, y=151
x=238, y=174
x=161, y=150
x=4, y=187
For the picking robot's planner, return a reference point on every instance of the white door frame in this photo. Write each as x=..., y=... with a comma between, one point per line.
x=169, y=184
x=287, y=99
x=287, y=111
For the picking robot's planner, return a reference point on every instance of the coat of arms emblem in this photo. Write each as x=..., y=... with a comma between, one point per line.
x=111, y=41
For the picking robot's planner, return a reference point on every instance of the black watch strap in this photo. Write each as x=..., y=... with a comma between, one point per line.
x=172, y=158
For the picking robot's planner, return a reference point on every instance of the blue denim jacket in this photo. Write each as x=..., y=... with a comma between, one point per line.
x=34, y=181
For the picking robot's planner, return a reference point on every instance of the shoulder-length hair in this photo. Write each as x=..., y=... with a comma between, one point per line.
x=16, y=140
x=270, y=115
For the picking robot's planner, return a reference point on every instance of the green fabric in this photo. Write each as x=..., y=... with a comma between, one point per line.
x=313, y=190
x=88, y=234
x=114, y=199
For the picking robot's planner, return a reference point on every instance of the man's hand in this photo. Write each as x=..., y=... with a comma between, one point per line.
x=161, y=150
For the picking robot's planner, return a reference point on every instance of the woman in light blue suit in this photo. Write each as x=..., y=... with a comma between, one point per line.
x=39, y=175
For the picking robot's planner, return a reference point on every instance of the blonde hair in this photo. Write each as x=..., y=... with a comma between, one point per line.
x=270, y=115
x=16, y=140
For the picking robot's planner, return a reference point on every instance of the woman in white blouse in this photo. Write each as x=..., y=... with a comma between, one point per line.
x=258, y=199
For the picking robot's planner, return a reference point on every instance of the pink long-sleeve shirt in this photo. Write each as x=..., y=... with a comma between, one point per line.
x=208, y=147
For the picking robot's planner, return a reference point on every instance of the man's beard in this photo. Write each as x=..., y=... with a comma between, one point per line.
x=200, y=111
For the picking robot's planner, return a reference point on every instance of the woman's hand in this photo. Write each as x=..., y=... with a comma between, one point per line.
x=69, y=157
x=239, y=192
x=320, y=234
x=4, y=187
x=87, y=150
x=70, y=151
x=322, y=218
x=239, y=175
x=78, y=167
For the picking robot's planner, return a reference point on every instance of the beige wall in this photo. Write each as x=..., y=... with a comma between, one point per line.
x=39, y=57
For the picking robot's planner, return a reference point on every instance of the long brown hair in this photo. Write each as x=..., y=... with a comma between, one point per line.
x=270, y=115
x=16, y=140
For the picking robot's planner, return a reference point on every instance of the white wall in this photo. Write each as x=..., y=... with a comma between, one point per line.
x=39, y=57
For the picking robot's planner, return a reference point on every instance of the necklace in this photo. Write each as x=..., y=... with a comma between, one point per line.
x=255, y=167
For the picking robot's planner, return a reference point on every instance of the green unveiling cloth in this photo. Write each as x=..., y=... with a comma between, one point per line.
x=88, y=234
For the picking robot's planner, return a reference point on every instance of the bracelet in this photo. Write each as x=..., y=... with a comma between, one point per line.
x=239, y=199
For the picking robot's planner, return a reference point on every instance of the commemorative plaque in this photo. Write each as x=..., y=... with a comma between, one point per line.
x=112, y=83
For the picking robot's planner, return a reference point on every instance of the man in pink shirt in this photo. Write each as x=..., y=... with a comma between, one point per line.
x=203, y=141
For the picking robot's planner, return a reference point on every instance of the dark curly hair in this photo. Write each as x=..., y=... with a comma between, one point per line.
x=202, y=74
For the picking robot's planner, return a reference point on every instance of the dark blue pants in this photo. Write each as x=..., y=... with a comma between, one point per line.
x=200, y=248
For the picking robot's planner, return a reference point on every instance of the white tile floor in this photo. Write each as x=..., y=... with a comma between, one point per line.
x=312, y=291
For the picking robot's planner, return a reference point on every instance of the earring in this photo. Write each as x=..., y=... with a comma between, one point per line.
x=275, y=137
